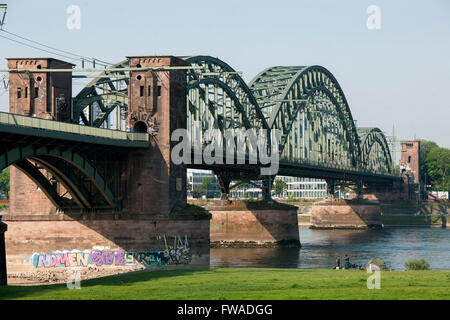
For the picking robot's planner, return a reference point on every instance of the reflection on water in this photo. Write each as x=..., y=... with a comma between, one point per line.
x=321, y=247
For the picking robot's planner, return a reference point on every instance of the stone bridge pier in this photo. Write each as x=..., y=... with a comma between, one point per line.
x=151, y=228
x=3, y=274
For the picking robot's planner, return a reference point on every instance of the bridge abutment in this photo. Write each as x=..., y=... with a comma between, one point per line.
x=395, y=191
x=151, y=226
x=150, y=182
x=104, y=244
x=3, y=268
x=259, y=224
x=345, y=215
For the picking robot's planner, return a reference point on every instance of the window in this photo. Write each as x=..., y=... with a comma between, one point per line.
x=26, y=92
x=409, y=159
x=159, y=91
x=36, y=92
x=19, y=93
x=141, y=91
x=149, y=91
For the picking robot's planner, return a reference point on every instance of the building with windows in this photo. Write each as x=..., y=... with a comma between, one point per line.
x=297, y=188
x=305, y=188
x=195, y=179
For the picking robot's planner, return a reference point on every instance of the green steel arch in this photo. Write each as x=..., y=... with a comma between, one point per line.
x=72, y=169
x=219, y=97
x=325, y=132
x=108, y=92
x=375, y=153
x=306, y=103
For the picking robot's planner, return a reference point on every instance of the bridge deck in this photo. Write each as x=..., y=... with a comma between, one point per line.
x=23, y=125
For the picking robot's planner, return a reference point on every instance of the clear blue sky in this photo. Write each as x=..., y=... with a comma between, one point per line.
x=398, y=75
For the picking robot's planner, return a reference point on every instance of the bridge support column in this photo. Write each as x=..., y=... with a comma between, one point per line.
x=331, y=188
x=224, y=183
x=151, y=182
x=267, y=183
x=359, y=189
x=3, y=273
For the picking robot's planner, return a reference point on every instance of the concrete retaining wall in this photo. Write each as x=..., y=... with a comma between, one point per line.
x=345, y=216
x=259, y=228
x=146, y=243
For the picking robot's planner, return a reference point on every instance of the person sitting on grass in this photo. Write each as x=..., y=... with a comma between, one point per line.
x=347, y=261
x=338, y=263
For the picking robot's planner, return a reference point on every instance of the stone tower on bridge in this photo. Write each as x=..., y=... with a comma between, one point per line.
x=41, y=95
x=410, y=160
x=150, y=183
x=147, y=185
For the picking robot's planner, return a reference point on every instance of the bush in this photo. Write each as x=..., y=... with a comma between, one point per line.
x=416, y=264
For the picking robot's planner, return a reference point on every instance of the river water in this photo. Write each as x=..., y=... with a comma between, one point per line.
x=321, y=247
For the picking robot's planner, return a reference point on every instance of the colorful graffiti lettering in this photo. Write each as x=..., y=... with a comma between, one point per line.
x=178, y=253
x=74, y=258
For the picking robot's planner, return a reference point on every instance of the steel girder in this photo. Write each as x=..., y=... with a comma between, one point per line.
x=219, y=97
x=66, y=166
x=32, y=172
x=325, y=132
x=375, y=153
x=108, y=92
x=306, y=103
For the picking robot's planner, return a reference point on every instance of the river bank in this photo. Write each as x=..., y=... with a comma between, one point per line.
x=398, y=220
x=258, y=284
x=430, y=215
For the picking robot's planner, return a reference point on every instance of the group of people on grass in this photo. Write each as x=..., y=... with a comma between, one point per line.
x=347, y=263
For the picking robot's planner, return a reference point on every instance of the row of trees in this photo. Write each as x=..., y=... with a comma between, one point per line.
x=435, y=165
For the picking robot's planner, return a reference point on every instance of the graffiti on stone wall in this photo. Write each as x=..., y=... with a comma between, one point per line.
x=175, y=253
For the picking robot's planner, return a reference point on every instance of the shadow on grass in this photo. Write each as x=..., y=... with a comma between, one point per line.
x=17, y=292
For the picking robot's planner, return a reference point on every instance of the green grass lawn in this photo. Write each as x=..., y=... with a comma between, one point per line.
x=226, y=284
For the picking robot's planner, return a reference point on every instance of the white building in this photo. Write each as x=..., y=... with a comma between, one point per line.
x=195, y=179
x=297, y=188
x=305, y=188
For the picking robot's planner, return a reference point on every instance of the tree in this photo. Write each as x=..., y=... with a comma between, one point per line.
x=425, y=148
x=204, y=187
x=4, y=181
x=279, y=187
x=438, y=168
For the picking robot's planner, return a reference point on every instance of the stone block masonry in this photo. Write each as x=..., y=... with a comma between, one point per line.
x=354, y=216
x=254, y=228
x=150, y=242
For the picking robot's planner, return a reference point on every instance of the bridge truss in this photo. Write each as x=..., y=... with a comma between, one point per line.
x=305, y=103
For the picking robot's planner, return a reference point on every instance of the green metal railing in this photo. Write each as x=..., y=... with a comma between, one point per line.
x=57, y=128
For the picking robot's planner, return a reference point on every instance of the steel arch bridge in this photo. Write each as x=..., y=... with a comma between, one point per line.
x=305, y=103
x=76, y=167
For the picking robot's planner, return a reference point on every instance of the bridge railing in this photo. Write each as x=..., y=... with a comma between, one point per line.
x=335, y=166
x=313, y=164
x=56, y=126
